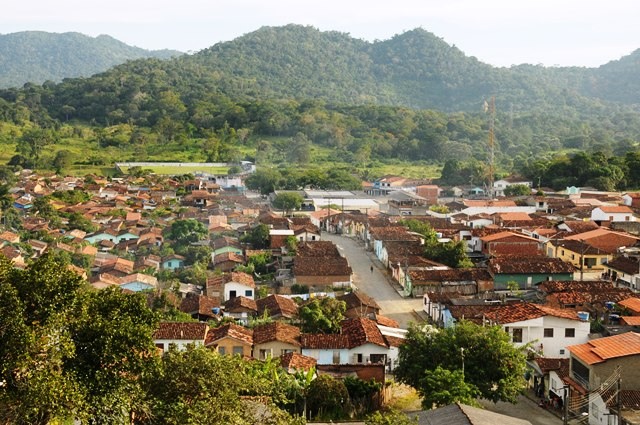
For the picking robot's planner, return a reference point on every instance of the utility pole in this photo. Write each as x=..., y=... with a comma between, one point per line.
x=618, y=404
x=565, y=405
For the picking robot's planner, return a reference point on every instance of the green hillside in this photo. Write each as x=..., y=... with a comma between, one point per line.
x=37, y=56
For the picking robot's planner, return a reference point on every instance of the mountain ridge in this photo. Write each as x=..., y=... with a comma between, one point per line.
x=39, y=56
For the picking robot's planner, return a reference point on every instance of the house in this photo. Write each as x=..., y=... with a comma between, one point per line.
x=361, y=341
x=462, y=414
x=612, y=214
x=231, y=285
x=500, y=185
x=547, y=330
x=275, y=339
x=241, y=309
x=359, y=304
x=320, y=264
x=632, y=304
x=549, y=375
x=596, y=367
x=172, y=262
x=277, y=307
x=227, y=261
x=231, y=339
x=527, y=271
x=468, y=281
x=592, y=249
x=624, y=271
x=510, y=244
x=137, y=282
x=430, y=192
x=200, y=307
x=631, y=199
x=224, y=244
x=179, y=334
x=322, y=272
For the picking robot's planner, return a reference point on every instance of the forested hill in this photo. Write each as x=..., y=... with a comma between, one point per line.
x=415, y=69
x=37, y=56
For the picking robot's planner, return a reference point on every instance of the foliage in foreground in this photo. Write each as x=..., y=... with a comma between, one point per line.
x=468, y=359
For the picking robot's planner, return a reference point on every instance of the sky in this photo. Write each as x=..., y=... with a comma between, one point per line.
x=499, y=32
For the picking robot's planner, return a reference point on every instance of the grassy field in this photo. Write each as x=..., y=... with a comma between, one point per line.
x=181, y=169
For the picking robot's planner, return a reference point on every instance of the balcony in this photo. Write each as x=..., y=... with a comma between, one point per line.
x=581, y=380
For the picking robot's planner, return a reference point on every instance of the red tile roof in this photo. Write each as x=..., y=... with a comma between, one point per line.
x=522, y=265
x=632, y=303
x=229, y=330
x=277, y=306
x=200, y=304
x=276, y=331
x=519, y=312
x=602, y=349
x=362, y=331
x=181, y=330
x=297, y=361
x=324, y=341
x=240, y=304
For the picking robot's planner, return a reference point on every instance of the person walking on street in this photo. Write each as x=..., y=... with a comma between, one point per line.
x=371, y=269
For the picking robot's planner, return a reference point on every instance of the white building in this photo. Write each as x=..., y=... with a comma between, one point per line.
x=549, y=330
x=179, y=334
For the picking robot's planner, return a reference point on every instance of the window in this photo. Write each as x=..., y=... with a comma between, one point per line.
x=232, y=294
x=265, y=354
x=569, y=332
x=336, y=357
x=221, y=350
x=516, y=335
x=359, y=358
x=562, y=351
x=562, y=252
x=548, y=332
x=238, y=349
x=248, y=293
x=286, y=351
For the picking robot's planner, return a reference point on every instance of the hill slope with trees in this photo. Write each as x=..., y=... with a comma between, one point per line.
x=38, y=56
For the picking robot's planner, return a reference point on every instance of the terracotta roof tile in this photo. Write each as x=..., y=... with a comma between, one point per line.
x=630, y=320
x=521, y=265
x=277, y=306
x=200, y=304
x=297, y=361
x=230, y=330
x=358, y=299
x=602, y=349
x=324, y=341
x=181, y=330
x=632, y=303
x=321, y=266
x=238, y=304
x=276, y=331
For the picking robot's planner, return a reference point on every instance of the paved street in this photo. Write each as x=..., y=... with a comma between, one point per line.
x=375, y=284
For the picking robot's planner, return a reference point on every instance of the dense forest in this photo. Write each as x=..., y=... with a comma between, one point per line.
x=274, y=94
x=38, y=56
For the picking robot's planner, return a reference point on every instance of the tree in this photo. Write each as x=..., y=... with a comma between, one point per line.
x=110, y=331
x=184, y=232
x=492, y=364
x=300, y=149
x=32, y=142
x=258, y=237
x=322, y=315
x=287, y=201
x=62, y=160
x=441, y=387
x=180, y=393
x=452, y=254
x=328, y=398
x=517, y=190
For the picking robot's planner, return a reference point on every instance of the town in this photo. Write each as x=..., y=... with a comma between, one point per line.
x=330, y=281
